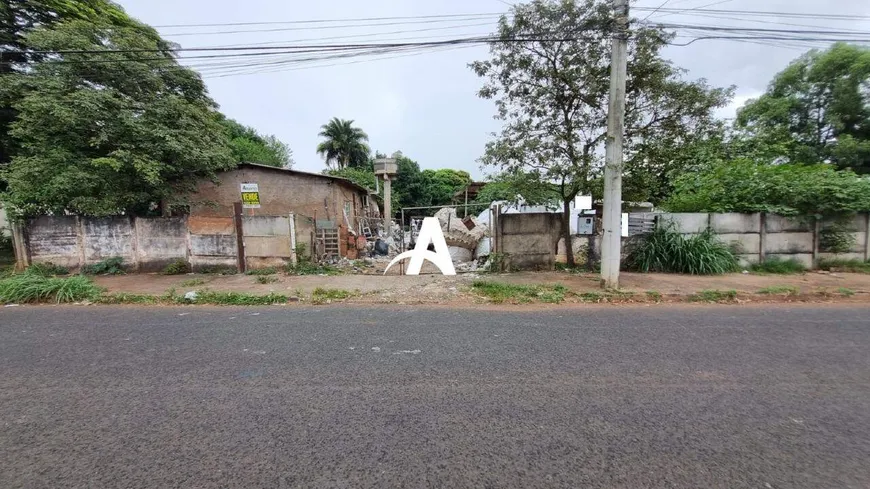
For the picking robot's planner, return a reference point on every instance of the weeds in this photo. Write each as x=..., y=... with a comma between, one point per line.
x=654, y=295
x=845, y=292
x=779, y=290
x=714, y=296
x=266, y=279
x=843, y=265
x=498, y=292
x=177, y=267
x=262, y=271
x=594, y=297
x=32, y=287
x=47, y=269
x=306, y=267
x=778, y=266
x=238, y=298
x=109, y=266
x=666, y=250
x=125, y=298
x=324, y=296
x=193, y=282
x=218, y=270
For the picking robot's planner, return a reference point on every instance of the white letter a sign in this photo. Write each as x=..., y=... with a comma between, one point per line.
x=430, y=232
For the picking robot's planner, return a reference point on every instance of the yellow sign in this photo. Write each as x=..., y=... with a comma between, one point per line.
x=250, y=196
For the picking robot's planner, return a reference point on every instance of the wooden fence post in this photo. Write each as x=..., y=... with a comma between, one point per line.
x=240, y=241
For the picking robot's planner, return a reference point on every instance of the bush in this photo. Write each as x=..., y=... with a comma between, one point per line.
x=32, y=287
x=666, y=250
x=777, y=265
x=47, y=269
x=109, y=266
x=262, y=271
x=843, y=265
x=836, y=239
x=178, y=267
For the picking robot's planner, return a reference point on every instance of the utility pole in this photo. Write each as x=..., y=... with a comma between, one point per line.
x=611, y=242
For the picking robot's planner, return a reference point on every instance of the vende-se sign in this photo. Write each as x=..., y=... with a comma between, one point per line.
x=250, y=196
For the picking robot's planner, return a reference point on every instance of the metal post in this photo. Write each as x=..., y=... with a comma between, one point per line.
x=611, y=242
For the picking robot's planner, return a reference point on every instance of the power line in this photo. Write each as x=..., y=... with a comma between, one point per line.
x=325, y=21
x=656, y=9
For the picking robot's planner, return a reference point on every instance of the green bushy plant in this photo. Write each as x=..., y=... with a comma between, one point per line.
x=666, y=250
x=109, y=266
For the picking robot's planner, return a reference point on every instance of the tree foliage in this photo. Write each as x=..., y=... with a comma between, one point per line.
x=513, y=187
x=552, y=94
x=99, y=134
x=816, y=110
x=344, y=145
x=749, y=186
x=247, y=145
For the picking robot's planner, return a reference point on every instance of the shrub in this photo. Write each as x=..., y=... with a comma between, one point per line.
x=262, y=271
x=843, y=265
x=47, y=269
x=178, y=267
x=109, y=266
x=666, y=250
x=32, y=287
x=777, y=265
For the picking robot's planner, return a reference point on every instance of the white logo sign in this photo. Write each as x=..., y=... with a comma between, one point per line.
x=430, y=232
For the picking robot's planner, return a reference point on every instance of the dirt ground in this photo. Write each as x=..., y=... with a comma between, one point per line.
x=435, y=288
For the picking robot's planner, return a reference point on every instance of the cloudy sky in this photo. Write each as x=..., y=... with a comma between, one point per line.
x=425, y=105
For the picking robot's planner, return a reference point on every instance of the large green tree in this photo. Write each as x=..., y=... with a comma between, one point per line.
x=551, y=91
x=343, y=144
x=100, y=133
x=20, y=17
x=248, y=145
x=816, y=110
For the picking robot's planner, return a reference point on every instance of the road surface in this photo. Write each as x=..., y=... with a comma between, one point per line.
x=340, y=397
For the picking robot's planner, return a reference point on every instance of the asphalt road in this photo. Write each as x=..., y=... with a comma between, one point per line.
x=627, y=397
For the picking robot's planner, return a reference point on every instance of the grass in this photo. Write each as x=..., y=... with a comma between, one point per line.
x=218, y=270
x=47, y=269
x=262, y=271
x=192, y=282
x=125, y=298
x=654, y=295
x=266, y=279
x=714, y=296
x=177, y=267
x=666, y=250
x=32, y=288
x=778, y=266
x=306, y=267
x=499, y=292
x=235, y=298
x=779, y=290
x=322, y=295
x=109, y=266
x=843, y=265
x=845, y=292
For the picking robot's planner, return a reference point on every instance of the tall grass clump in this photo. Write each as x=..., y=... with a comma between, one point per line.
x=33, y=287
x=666, y=250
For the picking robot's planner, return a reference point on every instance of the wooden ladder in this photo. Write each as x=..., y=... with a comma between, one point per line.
x=329, y=238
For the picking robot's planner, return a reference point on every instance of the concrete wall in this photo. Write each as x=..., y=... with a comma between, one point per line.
x=528, y=241
x=267, y=241
x=760, y=236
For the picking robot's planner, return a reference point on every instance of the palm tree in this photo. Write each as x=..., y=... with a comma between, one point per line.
x=344, y=145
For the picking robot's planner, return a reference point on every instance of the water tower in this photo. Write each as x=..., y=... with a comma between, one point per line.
x=386, y=168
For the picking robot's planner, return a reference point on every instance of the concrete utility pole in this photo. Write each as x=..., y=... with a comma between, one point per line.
x=611, y=243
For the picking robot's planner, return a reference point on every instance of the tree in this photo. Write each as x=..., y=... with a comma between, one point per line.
x=440, y=185
x=20, y=17
x=551, y=91
x=816, y=110
x=511, y=186
x=247, y=145
x=105, y=133
x=788, y=189
x=344, y=145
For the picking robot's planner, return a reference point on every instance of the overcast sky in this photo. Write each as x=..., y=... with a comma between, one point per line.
x=426, y=105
